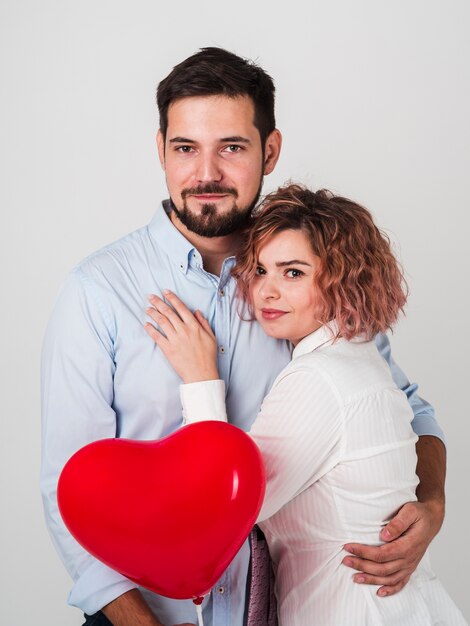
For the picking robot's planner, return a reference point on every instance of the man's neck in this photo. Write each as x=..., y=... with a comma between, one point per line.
x=214, y=250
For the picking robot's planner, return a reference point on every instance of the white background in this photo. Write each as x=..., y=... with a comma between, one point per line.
x=373, y=101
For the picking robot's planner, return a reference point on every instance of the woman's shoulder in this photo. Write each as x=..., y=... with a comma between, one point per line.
x=349, y=367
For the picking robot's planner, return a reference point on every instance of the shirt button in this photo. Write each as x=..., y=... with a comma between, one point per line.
x=221, y=350
x=220, y=590
x=221, y=293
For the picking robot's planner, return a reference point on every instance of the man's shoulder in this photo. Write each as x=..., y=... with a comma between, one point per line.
x=106, y=276
x=146, y=249
x=121, y=251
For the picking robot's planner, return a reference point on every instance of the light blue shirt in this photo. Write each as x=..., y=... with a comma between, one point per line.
x=103, y=376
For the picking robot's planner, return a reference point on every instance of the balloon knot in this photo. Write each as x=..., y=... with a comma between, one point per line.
x=198, y=601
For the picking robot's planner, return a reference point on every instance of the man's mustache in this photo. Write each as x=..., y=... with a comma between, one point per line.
x=207, y=189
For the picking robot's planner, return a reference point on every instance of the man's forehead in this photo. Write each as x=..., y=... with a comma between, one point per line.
x=231, y=139
x=219, y=114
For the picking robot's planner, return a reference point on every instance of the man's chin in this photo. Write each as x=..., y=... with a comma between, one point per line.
x=209, y=222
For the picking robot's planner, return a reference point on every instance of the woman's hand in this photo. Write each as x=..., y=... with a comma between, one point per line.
x=188, y=341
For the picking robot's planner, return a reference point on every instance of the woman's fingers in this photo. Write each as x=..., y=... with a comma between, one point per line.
x=177, y=305
x=156, y=335
x=166, y=325
x=161, y=312
x=204, y=323
x=185, y=339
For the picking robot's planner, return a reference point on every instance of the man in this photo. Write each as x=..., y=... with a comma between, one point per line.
x=104, y=377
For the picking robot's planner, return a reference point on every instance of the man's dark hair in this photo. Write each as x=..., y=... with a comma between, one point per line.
x=214, y=71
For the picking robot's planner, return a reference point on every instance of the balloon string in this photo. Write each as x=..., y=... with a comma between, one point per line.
x=199, y=615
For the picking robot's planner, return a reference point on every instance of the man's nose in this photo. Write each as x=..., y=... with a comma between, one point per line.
x=209, y=169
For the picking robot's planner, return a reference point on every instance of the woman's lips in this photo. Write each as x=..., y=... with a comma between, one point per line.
x=272, y=314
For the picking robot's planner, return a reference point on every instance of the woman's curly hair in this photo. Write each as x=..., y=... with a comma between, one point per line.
x=360, y=283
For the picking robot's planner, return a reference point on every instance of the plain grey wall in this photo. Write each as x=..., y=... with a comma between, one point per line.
x=373, y=100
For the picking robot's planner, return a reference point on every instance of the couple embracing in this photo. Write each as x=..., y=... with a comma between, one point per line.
x=273, y=319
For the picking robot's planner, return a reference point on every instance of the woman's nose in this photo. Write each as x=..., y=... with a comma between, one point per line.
x=268, y=289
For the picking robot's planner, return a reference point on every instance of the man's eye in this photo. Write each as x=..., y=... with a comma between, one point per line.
x=293, y=273
x=233, y=148
x=184, y=149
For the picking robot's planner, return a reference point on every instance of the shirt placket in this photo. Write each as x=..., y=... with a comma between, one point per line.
x=221, y=592
x=222, y=329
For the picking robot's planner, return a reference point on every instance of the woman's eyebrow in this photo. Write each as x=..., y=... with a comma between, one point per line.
x=293, y=262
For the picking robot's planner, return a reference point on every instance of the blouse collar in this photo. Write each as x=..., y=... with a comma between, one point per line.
x=326, y=334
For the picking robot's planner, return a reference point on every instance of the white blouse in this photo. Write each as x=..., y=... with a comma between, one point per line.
x=335, y=436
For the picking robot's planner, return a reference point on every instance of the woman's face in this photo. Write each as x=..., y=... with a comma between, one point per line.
x=283, y=291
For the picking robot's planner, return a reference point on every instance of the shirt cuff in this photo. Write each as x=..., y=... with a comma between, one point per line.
x=98, y=586
x=203, y=401
x=427, y=425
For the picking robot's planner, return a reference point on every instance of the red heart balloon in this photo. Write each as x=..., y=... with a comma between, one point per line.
x=168, y=514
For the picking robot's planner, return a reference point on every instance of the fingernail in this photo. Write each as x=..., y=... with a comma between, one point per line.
x=381, y=592
x=386, y=535
x=359, y=579
x=348, y=562
x=167, y=292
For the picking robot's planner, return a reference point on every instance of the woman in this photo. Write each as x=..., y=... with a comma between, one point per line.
x=334, y=431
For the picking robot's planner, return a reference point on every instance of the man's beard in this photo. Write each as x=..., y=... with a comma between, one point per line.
x=208, y=223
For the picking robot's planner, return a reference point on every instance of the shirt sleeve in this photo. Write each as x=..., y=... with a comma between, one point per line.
x=424, y=421
x=298, y=430
x=77, y=395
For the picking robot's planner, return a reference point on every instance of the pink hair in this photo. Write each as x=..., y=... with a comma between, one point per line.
x=360, y=282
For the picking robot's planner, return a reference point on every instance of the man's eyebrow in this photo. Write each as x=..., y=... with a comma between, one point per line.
x=181, y=140
x=293, y=262
x=235, y=139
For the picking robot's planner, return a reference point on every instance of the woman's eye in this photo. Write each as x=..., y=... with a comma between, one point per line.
x=260, y=271
x=294, y=273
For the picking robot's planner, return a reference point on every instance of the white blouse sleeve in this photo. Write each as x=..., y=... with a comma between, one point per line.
x=298, y=431
x=203, y=401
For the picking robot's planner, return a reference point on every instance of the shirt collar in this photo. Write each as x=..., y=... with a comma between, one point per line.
x=320, y=337
x=178, y=249
x=170, y=240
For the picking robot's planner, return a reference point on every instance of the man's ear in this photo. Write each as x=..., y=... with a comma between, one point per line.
x=161, y=148
x=272, y=150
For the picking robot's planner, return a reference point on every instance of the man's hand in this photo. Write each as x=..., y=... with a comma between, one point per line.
x=410, y=532
x=407, y=535
x=130, y=609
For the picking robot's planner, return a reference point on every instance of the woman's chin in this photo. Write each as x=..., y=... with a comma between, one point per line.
x=272, y=332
